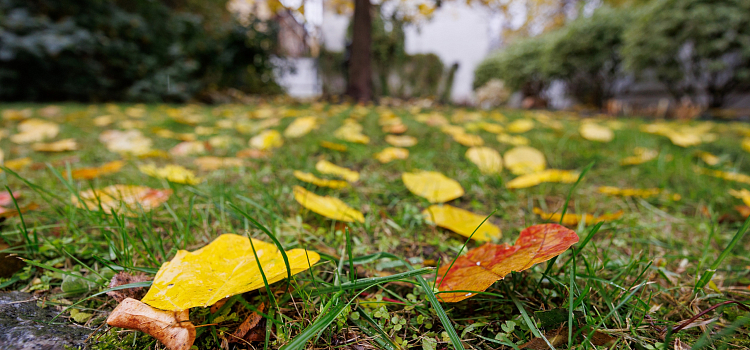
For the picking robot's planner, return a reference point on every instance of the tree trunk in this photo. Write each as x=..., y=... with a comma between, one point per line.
x=359, y=86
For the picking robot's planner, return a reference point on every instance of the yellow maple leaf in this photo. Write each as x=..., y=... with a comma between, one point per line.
x=225, y=267
x=401, y=141
x=121, y=199
x=641, y=156
x=266, y=140
x=172, y=173
x=57, y=146
x=573, y=219
x=520, y=126
x=301, y=127
x=595, y=132
x=310, y=178
x=390, y=154
x=214, y=163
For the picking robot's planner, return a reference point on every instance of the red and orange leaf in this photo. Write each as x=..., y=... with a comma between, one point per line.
x=483, y=266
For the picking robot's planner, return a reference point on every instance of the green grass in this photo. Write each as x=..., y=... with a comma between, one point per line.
x=664, y=261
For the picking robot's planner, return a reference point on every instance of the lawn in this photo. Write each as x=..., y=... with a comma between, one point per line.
x=635, y=280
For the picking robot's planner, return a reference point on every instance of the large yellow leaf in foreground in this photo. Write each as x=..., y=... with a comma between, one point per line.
x=221, y=269
x=332, y=208
x=310, y=178
x=520, y=126
x=212, y=163
x=432, y=185
x=571, y=219
x=549, y=175
x=172, y=173
x=121, y=198
x=596, y=132
x=487, y=159
x=462, y=222
x=327, y=167
x=630, y=192
x=525, y=160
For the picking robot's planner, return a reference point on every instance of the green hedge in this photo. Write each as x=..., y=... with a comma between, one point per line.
x=138, y=50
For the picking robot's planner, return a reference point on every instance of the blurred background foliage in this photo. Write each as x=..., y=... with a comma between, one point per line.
x=136, y=50
x=692, y=47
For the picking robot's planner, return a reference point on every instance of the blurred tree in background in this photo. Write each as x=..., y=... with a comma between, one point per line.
x=138, y=50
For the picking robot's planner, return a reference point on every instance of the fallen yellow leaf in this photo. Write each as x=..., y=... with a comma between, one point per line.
x=573, y=219
x=432, y=185
x=549, y=175
x=487, y=159
x=215, y=163
x=332, y=208
x=35, y=130
x=92, y=173
x=641, y=156
x=172, y=173
x=595, y=132
x=520, y=126
x=462, y=222
x=524, y=160
x=512, y=140
x=310, y=178
x=126, y=142
x=389, y=154
x=121, y=199
x=225, y=267
x=301, y=127
x=630, y=192
x=326, y=167
x=468, y=140
x=334, y=146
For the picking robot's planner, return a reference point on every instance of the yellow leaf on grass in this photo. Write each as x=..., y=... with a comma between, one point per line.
x=92, y=173
x=310, y=178
x=188, y=148
x=266, y=140
x=18, y=163
x=35, y=130
x=708, y=158
x=215, y=163
x=573, y=219
x=330, y=207
x=326, y=167
x=746, y=144
x=724, y=175
x=57, y=146
x=595, y=132
x=487, y=159
x=512, y=140
x=524, y=160
x=220, y=141
x=126, y=142
x=468, y=140
x=390, y=154
x=401, y=141
x=351, y=131
x=520, y=126
x=301, y=127
x=743, y=194
x=172, y=173
x=121, y=199
x=462, y=222
x=225, y=267
x=334, y=146
x=549, y=175
x=432, y=185
x=641, y=156
x=630, y=192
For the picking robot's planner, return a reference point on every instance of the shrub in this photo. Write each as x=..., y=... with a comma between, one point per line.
x=519, y=66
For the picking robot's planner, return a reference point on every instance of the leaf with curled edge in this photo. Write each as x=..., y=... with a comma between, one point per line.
x=432, y=185
x=225, y=267
x=330, y=207
x=171, y=328
x=489, y=263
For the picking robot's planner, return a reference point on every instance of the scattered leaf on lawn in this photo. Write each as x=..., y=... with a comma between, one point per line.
x=57, y=146
x=743, y=194
x=310, y=178
x=571, y=219
x=462, y=222
x=126, y=142
x=266, y=140
x=92, y=173
x=524, y=160
x=483, y=266
x=326, y=167
x=596, y=132
x=641, y=156
x=334, y=146
x=395, y=128
x=252, y=153
x=351, y=131
x=708, y=158
x=173, y=329
x=122, y=198
x=35, y=130
x=17, y=164
x=223, y=268
x=401, y=141
x=220, y=141
x=330, y=207
x=468, y=140
x=630, y=192
x=301, y=127
x=487, y=159
x=390, y=154
x=432, y=185
x=188, y=148
x=512, y=140
x=520, y=126
x=549, y=175
x=17, y=114
x=172, y=173
x=214, y=163
x=742, y=178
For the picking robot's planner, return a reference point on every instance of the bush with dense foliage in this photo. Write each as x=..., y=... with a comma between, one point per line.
x=95, y=50
x=520, y=66
x=692, y=46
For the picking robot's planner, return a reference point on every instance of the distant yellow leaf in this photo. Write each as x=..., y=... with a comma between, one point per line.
x=630, y=192
x=35, y=130
x=92, y=173
x=401, y=141
x=57, y=146
x=595, y=132
x=172, y=173
x=188, y=148
x=432, y=185
x=301, y=127
x=462, y=222
x=351, y=131
x=743, y=194
x=549, y=175
x=468, y=140
x=215, y=163
x=487, y=159
x=326, y=167
x=512, y=140
x=573, y=219
x=266, y=140
x=524, y=160
x=731, y=176
x=332, y=208
x=641, y=156
x=520, y=126
x=121, y=199
x=390, y=154
x=225, y=267
x=708, y=158
x=126, y=142
x=334, y=146
x=18, y=163
x=17, y=114
x=310, y=178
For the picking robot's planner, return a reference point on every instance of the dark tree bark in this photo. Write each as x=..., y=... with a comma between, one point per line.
x=359, y=85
